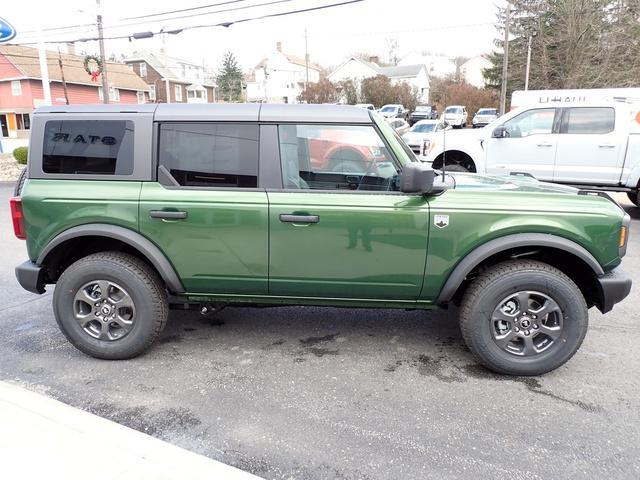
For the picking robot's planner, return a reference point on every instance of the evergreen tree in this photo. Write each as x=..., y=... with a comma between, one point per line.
x=229, y=79
x=575, y=44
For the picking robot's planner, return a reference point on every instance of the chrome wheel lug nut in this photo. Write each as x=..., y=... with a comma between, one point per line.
x=527, y=332
x=535, y=326
x=517, y=329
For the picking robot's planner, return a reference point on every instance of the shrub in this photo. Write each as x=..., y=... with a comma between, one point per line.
x=20, y=154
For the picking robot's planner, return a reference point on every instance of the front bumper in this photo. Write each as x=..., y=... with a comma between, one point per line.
x=614, y=287
x=31, y=277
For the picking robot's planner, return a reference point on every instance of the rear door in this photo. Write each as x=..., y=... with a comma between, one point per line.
x=205, y=211
x=530, y=145
x=339, y=228
x=591, y=145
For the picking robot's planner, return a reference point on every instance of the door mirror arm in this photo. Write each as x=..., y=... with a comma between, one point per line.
x=500, y=132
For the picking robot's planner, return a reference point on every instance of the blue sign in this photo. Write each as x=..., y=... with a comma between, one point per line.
x=7, y=32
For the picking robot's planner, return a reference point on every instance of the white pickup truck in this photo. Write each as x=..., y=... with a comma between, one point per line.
x=594, y=145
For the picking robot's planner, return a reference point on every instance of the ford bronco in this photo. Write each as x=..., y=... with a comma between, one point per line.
x=132, y=210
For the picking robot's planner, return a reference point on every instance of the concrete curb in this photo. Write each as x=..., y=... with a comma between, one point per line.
x=43, y=438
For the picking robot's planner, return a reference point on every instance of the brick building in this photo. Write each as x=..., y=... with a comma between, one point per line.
x=172, y=79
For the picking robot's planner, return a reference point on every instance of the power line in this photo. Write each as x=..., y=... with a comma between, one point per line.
x=221, y=24
x=183, y=10
x=224, y=10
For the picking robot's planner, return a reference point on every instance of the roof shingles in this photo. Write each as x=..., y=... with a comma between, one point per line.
x=25, y=59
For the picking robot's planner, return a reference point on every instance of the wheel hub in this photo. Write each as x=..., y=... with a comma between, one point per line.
x=104, y=310
x=526, y=323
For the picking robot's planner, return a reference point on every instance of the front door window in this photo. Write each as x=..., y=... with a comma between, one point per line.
x=335, y=157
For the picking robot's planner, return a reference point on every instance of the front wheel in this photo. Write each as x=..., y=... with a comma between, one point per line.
x=110, y=305
x=523, y=317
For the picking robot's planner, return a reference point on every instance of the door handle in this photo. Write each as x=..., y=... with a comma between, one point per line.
x=292, y=218
x=168, y=214
x=606, y=145
x=545, y=144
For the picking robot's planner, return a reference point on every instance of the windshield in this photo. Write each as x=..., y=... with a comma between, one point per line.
x=453, y=110
x=389, y=108
x=487, y=111
x=423, y=109
x=423, y=127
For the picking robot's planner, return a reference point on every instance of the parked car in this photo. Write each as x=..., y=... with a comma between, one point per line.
x=205, y=205
x=456, y=116
x=484, y=116
x=394, y=111
x=421, y=138
x=593, y=145
x=423, y=112
x=399, y=125
x=366, y=106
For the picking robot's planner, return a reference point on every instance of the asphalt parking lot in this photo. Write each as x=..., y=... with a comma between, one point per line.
x=315, y=393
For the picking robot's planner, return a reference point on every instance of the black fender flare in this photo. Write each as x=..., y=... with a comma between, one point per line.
x=497, y=245
x=125, y=235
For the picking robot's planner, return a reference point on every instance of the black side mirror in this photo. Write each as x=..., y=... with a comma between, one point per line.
x=416, y=177
x=500, y=132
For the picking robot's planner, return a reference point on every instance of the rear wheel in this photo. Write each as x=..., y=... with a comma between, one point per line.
x=110, y=305
x=633, y=197
x=523, y=318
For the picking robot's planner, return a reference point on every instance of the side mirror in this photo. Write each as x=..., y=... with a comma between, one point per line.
x=416, y=177
x=500, y=132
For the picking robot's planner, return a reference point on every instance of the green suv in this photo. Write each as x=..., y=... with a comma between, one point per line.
x=134, y=210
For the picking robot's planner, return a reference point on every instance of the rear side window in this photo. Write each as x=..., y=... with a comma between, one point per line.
x=594, y=120
x=210, y=154
x=89, y=147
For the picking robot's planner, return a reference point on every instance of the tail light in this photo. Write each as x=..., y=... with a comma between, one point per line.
x=18, y=218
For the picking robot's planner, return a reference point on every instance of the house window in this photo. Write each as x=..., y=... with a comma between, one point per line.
x=140, y=97
x=23, y=121
x=16, y=88
x=143, y=69
x=178, y=90
x=152, y=92
x=114, y=94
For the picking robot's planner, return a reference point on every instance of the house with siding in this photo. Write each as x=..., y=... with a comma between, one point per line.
x=21, y=87
x=280, y=77
x=356, y=69
x=173, y=80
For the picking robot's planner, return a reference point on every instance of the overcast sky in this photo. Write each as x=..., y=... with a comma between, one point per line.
x=451, y=27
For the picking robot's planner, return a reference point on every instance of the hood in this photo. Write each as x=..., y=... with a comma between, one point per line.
x=416, y=138
x=508, y=183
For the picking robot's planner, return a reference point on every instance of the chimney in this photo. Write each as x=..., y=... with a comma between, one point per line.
x=375, y=59
x=279, y=47
x=71, y=48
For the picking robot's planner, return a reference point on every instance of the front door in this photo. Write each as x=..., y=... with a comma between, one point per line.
x=206, y=212
x=4, y=128
x=339, y=228
x=530, y=145
x=591, y=145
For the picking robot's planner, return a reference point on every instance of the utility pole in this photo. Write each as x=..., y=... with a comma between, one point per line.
x=505, y=61
x=306, y=58
x=105, y=82
x=526, y=78
x=64, y=83
x=44, y=69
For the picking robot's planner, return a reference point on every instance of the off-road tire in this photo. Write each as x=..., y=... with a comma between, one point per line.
x=143, y=285
x=633, y=197
x=498, y=282
x=17, y=190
